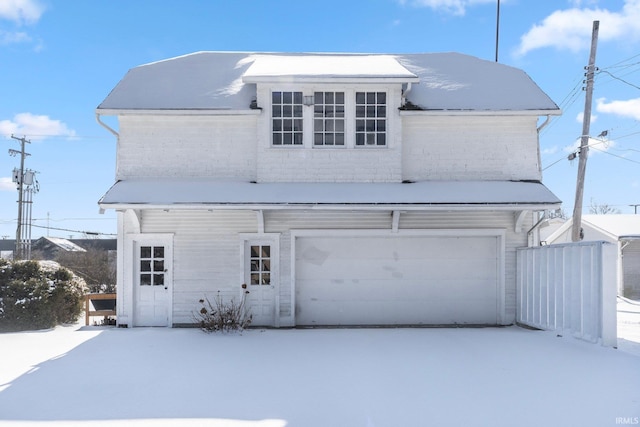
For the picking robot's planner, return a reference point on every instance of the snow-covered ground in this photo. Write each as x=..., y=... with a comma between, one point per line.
x=95, y=376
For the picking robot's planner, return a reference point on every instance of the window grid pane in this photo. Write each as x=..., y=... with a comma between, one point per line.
x=328, y=123
x=260, y=265
x=152, y=266
x=286, y=118
x=371, y=119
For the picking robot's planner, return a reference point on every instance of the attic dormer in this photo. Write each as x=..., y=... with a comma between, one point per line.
x=328, y=101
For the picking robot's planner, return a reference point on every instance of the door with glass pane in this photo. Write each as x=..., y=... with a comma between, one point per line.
x=152, y=283
x=260, y=277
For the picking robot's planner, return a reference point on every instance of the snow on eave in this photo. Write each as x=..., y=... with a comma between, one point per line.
x=199, y=193
x=177, y=112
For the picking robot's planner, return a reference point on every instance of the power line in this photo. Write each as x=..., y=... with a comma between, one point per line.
x=618, y=78
x=90, y=233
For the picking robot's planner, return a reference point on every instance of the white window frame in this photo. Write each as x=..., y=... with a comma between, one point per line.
x=308, y=129
x=373, y=106
x=282, y=118
x=333, y=119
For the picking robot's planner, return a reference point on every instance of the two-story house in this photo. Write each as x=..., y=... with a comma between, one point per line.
x=341, y=189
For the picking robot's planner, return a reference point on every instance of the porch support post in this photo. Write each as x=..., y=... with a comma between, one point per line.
x=260, y=218
x=395, y=221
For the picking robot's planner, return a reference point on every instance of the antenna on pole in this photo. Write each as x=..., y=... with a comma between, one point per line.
x=497, y=29
x=584, y=143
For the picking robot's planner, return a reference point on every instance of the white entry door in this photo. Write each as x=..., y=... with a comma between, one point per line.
x=152, y=283
x=261, y=276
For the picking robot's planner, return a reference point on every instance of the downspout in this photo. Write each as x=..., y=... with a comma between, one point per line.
x=404, y=94
x=104, y=125
x=544, y=124
x=114, y=133
x=536, y=225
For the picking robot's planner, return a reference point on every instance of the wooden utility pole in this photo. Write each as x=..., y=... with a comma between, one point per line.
x=584, y=138
x=20, y=181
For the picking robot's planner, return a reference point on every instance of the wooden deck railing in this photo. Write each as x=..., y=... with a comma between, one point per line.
x=94, y=297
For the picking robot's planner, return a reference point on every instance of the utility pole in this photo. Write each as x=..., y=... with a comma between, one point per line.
x=584, y=143
x=635, y=208
x=19, y=179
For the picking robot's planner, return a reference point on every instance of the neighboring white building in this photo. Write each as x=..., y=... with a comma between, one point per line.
x=621, y=230
x=342, y=189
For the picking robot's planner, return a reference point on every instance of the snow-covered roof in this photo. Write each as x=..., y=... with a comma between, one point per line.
x=337, y=68
x=63, y=244
x=196, y=192
x=619, y=226
x=226, y=80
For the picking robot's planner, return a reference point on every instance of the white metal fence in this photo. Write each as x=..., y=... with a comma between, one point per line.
x=569, y=288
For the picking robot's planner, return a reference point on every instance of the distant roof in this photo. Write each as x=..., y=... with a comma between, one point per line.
x=616, y=225
x=195, y=192
x=58, y=242
x=226, y=80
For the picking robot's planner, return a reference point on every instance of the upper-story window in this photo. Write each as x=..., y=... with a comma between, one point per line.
x=333, y=119
x=371, y=119
x=328, y=119
x=287, y=118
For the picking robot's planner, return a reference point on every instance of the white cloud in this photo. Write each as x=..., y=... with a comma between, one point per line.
x=6, y=184
x=629, y=108
x=550, y=150
x=571, y=29
x=15, y=37
x=34, y=127
x=455, y=7
x=580, y=117
x=598, y=145
x=21, y=11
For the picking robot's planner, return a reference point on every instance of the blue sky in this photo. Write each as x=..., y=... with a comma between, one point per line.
x=59, y=59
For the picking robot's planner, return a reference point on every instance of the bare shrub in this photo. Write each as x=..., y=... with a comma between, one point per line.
x=221, y=316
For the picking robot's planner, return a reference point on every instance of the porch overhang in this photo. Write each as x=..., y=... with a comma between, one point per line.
x=203, y=193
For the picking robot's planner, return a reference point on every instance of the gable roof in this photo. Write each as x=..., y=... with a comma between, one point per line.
x=226, y=81
x=618, y=226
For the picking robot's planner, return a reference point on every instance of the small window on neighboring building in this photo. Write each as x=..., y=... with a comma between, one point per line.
x=328, y=119
x=286, y=113
x=371, y=119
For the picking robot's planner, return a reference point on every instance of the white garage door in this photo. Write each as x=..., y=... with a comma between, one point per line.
x=397, y=280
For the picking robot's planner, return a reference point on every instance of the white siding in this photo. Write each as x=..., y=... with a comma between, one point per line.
x=470, y=147
x=187, y=146
x=207, y=255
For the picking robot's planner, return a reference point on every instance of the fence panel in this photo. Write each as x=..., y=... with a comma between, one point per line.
x=569, y=288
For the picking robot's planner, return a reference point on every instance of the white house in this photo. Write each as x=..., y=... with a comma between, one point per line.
x=342, y=189
x=621, y=230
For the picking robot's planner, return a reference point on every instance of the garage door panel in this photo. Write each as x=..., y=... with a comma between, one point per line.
x=396, y=280
x=414, y=269
x=320, y=249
